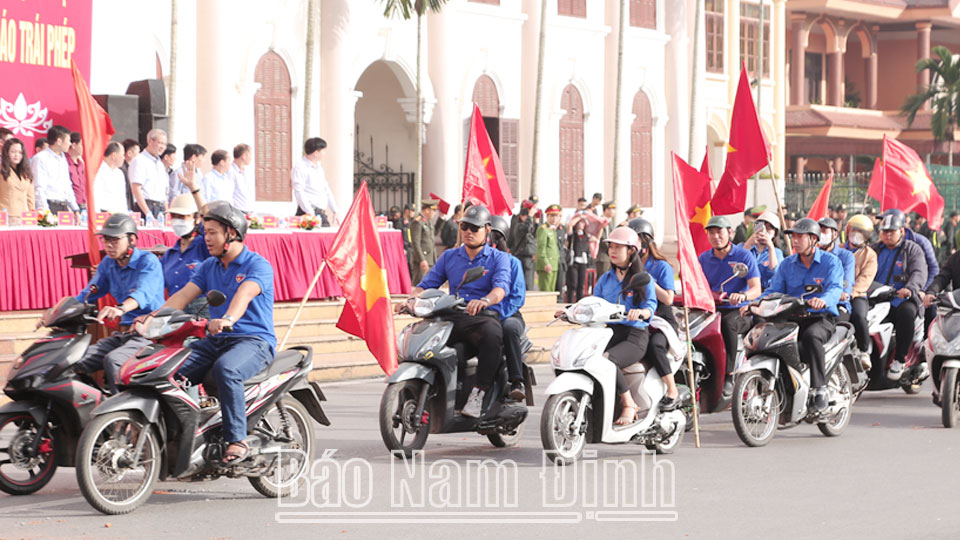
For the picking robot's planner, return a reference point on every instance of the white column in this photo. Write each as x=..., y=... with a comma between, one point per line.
x=676, y=133
x=732, y=57
x=211, y=73
x=779, y=61
x=338, y=100
x=444, y=134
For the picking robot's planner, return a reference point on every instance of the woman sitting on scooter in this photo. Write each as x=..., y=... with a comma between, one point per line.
x=662, y=273
x=629, y=342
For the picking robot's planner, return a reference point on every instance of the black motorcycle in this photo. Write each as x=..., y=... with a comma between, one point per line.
x=433, y=381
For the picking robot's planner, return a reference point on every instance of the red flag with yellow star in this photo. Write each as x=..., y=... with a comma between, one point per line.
x=748, y=151
x=356, y=261
x=900, y=180
x=695, y=287
x=697, y=190
x=483, y=179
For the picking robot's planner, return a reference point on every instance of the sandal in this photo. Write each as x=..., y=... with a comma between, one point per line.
x=236, y=452
x=627, y=419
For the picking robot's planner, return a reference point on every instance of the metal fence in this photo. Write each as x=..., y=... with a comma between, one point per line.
x=851, y=189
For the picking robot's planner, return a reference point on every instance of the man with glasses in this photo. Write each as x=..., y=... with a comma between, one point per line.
x=478, y=326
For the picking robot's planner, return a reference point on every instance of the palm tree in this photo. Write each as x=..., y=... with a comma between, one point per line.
x=943, y=92
x=404, y=9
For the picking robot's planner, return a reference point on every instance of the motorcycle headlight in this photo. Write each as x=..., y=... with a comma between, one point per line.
x=749, y=340
x=940, y=346
x=402, y=340
x=555, y=354
x=423, y=307
x=581, y=314
x=158, y=327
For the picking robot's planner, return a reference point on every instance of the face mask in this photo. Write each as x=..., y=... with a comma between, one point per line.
x=856, y=239
x=826, y=239
x=181, y=227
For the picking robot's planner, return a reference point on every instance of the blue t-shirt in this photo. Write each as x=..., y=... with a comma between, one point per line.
x=826, y=270
x=763, y=263
x=661, y=272
x=517, y=294
x=141, y=279
x=849, y=272
x=178, y=266
x=717, y=270
x=453, y=263
x=248, y=266
x=609, y=287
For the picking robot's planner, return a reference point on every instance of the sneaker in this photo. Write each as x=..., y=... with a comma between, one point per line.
x=895, y=371
x=922, y=371
x=517, y=391
x=728, y=387
x=865, y=361
x=474, y=404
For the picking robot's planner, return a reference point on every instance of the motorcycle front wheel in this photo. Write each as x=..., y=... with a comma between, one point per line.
x=398, y=426
x=112, y=477
x=22, y=471
x=290, y=422
x=756, y=408
x=949, y=398
x=562, y=441
x=839, y=386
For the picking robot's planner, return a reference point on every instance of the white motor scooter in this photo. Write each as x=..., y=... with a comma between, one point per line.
x=582, y=400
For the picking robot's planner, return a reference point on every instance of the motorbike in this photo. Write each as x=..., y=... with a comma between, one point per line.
x=709, y=353
x=582, y=401
x=943, y=354
x=160, y=427
x=772, y=388
x=51, y=403
x=883, y=345
x=430, y=386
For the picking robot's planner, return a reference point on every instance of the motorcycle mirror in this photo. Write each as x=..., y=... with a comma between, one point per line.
x=813, y=288
x=640, y=280
x=740, y=270
x=470, y=276
x=93, y=290
x=216, y=298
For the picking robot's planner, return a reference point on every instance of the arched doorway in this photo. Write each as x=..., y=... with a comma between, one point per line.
x=571, y=147
x=641, y=152
x=273, y=154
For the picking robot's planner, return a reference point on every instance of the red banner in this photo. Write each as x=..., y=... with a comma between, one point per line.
x=38, y=40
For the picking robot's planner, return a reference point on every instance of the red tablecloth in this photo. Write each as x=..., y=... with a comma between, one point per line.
x=35, y=275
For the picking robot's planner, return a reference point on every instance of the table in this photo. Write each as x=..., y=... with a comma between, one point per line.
x=34, y=273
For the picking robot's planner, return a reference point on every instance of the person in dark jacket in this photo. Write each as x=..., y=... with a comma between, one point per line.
x=929, y=255
x=523, y=244
x=578, y=241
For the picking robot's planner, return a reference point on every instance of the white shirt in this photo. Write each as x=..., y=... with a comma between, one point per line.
x=149, y=172
x=51, y=176
x=244, y=187
x=310, y=187
x=178, y=188
x=110, y=190
x=217, y=187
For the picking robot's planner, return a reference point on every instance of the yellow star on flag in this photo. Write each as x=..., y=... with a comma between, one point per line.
x=730, y=149
x=921, y=182
x=702, y=214
x=374, y=282
x=486, y=161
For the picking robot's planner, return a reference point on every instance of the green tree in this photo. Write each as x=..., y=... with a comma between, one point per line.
x=943, y=93
x=405, y=9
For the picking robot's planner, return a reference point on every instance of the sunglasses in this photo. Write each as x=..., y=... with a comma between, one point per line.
x=469, y=227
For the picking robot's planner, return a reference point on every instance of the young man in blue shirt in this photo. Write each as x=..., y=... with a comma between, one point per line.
x=480, y=324
x=135, y=281
x=247, y=348
x=811, y=266
x=510, y=318
x=718, y=264
x=829, y=234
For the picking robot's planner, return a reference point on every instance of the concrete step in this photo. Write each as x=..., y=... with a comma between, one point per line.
x=19, y=322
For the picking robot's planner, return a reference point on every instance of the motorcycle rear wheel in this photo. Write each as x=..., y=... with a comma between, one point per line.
x=21, y=474
x=397, y=407
x=296, y=456
x=749, y=393
x=104, y=462
x=949, y=398
x=560, y=443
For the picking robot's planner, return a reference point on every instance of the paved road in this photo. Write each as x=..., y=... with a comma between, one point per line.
x=893, y=474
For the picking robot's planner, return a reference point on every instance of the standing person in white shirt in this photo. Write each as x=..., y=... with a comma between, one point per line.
x=244, y=187
x=51, y=174
x=148, y=177
x=310, y=187
x=109, y=193
x=192, y=156
x=217, y=186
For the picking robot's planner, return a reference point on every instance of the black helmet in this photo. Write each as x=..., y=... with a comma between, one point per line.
x=501, y=225
x=805, y=226
x=892, y=220
x=223, y=212
x=828, y=223
x=476, y=215
x=893, y=212
x=641, y=226
x=118, y=225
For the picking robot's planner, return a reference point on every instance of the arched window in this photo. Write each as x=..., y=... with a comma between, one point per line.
x=504, y=132
x=571, y=147
x=272, y=126
x=641, y=152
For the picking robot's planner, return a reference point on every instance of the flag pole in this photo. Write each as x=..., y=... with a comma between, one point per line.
x=303, y=302
x=783, y=222
x=692, y=379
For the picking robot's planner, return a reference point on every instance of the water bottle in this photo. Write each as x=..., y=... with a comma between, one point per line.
x=83, y=217
x=160, y=220
x=151, y=221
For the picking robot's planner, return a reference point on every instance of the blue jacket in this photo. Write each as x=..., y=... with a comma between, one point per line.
x=717, y=270
x=826, y=270
x=517, y=294
x=609, y=288
x=849, y=272
x=141, y=279
x=453, y=263
x=763, y=263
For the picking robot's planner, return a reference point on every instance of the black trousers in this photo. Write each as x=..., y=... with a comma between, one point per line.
x=109, y=354
x=512, y=332
x=627, y=346
x=576, y=278
x=814, y=332
x=657, y=353
x=526, y=262
x=732, y=325
x=903, y=317
x=858, y=317
x=562, y=281
x=485, y=334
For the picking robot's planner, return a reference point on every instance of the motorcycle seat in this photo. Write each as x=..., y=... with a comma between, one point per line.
x=843, y=330
x=285, y=361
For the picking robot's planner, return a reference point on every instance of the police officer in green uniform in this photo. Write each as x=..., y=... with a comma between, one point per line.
x=423, y=253
x=548, y=249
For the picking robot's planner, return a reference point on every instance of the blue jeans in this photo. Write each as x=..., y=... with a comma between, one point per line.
x=232, y=360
